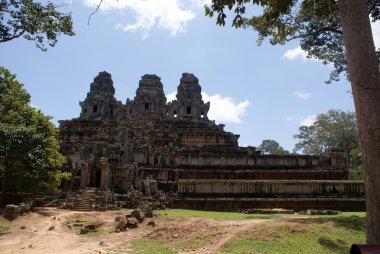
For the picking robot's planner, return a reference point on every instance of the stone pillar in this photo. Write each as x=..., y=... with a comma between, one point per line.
x=146, y=184
x=105, y=172
x=84, y=174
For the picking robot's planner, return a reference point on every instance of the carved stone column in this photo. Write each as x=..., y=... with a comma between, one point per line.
x=84, y=174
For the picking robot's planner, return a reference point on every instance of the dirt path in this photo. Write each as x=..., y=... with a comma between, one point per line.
x=47, y=231
x=231, y=229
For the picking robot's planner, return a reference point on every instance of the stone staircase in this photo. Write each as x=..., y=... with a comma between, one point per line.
x=85, y=201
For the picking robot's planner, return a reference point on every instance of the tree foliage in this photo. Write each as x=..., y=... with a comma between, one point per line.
x=316, y=24
x=269, y=146
x=334, y=130
x=30, y=156
x=34, y=21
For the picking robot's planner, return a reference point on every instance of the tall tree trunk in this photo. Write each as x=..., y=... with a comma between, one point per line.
x=365, y=81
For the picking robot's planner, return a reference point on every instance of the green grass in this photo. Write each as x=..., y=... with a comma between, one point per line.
x=183, y=213
x=196, y=241
x=149, y=247
x=308, y=235
x=5, y=226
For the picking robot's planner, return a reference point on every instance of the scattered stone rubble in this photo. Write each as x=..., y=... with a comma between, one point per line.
x=11, y=211
x=132, y=220
x=90, y=228
x=320, y=212
x=103, y=200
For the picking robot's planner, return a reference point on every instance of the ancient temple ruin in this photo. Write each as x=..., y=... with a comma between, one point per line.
x=128, y=146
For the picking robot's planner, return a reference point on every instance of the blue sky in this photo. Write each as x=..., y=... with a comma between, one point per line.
x=263, y=92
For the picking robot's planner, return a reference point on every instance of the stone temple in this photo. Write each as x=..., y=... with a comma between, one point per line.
x=149, y=144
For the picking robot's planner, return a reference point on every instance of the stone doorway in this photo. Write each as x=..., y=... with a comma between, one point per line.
x=98, y=178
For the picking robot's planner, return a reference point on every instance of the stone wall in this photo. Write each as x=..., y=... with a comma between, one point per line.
x=232, y=195
x=270, y=188
x=174, y=174
x=297, y=204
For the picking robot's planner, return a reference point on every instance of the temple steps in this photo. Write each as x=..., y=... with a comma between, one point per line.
x=85, y=201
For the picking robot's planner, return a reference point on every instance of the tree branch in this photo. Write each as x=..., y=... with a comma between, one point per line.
x=96, y=10
x=13, y=37
x=322, y=30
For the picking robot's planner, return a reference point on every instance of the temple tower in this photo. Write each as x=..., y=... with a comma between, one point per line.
x=189, y=103
x=100, y=101
x=150, y=98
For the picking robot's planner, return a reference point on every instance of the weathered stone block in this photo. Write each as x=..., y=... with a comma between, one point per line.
x=138, y=214
x=132, y=222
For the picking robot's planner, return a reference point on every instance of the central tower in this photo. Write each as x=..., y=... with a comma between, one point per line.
x=150, y=98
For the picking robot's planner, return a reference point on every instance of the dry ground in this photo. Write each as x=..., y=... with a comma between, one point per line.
x=30, y=233
x=50, y=230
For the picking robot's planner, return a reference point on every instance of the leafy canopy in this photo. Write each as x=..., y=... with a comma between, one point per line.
x=316, y=24
x=30, y=156
x=269, y=146
x=33, y=21
x=334, y=130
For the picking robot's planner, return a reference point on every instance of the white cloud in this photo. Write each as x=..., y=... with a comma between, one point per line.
x=171, y=96
x=225, y=109
x=376, y=33
x=166, y=14
x=302, y=95
x=292, y=54
x=302, y=121
x=200, y=3
x=222, y=109
x=298, y=52
x=308, y=121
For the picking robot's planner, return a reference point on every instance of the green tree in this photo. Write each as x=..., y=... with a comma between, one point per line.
x=269, y=146
x=334, y=130
x=30, y=156
x=363, y=69
x=356, y=165
x=33, y=21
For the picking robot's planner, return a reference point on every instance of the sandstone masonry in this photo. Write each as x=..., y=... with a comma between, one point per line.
x=148, y=144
